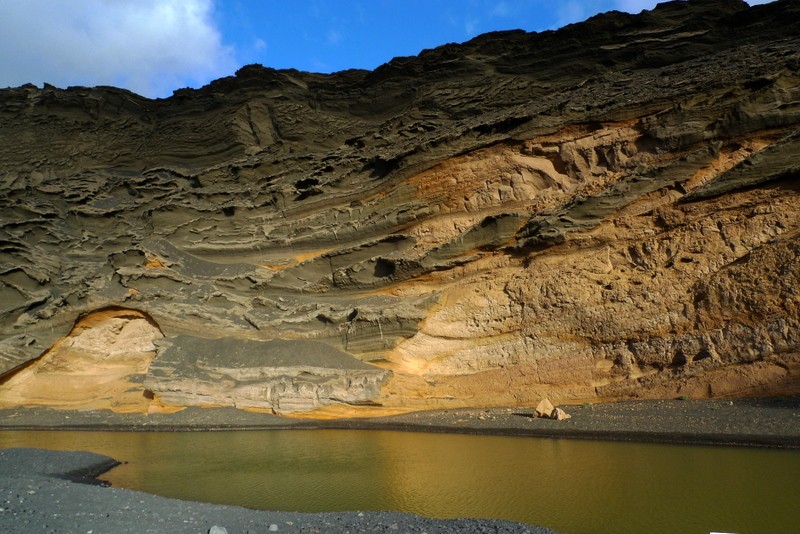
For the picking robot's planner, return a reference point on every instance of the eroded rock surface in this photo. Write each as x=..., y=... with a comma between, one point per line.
x=280, y=375
x=100, y=364
x=605, y=211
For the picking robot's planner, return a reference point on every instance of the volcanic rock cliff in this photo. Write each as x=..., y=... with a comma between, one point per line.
x=606, y=211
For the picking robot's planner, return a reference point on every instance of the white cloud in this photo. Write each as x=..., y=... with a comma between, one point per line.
x=148, y=46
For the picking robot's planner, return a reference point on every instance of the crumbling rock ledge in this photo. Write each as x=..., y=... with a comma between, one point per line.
x=282, y=376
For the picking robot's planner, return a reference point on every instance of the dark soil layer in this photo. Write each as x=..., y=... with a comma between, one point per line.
x=54, y=491
x=768, y=422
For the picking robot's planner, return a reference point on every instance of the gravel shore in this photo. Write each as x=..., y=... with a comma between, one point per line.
x=767, y=422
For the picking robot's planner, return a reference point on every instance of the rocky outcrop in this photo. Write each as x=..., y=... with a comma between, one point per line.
x=280, y=376
x=100, y=364
x=601, y=212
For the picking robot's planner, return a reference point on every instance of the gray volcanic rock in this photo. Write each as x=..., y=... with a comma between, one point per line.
x=280, y=375
x=603, y=211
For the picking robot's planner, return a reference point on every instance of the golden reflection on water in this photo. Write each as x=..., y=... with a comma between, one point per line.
x=572, y=486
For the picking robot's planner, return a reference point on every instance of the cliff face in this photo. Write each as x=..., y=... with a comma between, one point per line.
x=607, y=211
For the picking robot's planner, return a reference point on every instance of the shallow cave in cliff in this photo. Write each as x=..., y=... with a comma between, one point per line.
x=99, y=364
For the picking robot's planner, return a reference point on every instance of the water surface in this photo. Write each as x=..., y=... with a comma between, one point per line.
x=569, y=485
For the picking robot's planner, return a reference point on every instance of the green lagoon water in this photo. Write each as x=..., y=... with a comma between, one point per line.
x=569, y=485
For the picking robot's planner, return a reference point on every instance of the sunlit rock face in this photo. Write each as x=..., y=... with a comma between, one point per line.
x=100, y=364
x=606, y=211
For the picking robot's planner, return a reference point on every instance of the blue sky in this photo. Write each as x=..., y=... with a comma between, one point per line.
x=153, y=47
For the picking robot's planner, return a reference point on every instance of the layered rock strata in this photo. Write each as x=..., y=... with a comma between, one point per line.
x=601, y=212
x=278, y=375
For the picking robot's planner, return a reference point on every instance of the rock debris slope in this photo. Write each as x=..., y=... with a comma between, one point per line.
x=609, y=210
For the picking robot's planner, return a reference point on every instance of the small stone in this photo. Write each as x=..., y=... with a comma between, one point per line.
x=273, y=527
x=544, y=409
x=560, y=415
x=217, y=530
